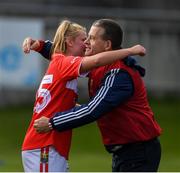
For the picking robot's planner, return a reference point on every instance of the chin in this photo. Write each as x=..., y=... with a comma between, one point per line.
x=81, y=54
x=88, y=53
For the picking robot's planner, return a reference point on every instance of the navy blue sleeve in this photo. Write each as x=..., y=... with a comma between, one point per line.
x=117, y=87
x=46, y=50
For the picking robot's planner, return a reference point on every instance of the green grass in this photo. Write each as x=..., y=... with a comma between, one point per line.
x=14, y=122
x=87, y=152
x=167, y=113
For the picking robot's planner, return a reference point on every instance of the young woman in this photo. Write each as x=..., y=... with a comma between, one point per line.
x=58, y=92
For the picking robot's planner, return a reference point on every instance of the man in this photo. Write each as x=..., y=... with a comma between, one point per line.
x=118, y=103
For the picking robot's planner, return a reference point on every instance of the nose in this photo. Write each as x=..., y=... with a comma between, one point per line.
x=86, y=42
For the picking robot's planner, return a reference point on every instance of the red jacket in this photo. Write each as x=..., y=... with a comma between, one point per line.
x=131, y=121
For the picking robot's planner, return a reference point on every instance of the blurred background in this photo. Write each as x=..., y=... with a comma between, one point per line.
x=154, y=24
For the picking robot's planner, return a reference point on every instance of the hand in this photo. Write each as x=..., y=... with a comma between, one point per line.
x=138, y=50
x=30, y=44
x=42, y=125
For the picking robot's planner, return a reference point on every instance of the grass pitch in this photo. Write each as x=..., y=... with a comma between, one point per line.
x=87, y=152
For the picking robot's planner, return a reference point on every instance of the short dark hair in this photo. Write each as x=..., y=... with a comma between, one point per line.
x=112, y=31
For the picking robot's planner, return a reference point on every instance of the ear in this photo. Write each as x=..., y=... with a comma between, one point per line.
x=108, y=45
x=69, y=42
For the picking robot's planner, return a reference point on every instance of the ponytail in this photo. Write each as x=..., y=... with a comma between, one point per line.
x=59, y=38
x=65, y=29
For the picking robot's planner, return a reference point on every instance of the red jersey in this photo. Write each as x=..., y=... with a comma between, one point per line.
x=57, y=92
x=132, y=120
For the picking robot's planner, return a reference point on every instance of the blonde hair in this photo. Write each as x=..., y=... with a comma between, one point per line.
x=65, y=29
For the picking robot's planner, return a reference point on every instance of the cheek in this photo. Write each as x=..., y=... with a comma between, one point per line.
x=101, y=47
x=80, y=45
x=94, y=45
x=96, y=48
x=83, y=46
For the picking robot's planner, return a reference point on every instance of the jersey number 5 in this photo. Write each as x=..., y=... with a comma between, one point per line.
x=43, y=93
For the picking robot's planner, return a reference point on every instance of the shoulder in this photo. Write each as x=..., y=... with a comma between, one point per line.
x=56, y=56
x=118, y=76
x=117, y=72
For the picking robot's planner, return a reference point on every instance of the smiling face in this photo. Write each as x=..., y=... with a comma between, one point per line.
x=104, y=35
x=78, y=44
x=95, y=42
x=69, y=39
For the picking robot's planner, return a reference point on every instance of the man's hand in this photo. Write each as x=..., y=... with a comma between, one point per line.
x=30, y=44
x=138, y=50
x=42, y=125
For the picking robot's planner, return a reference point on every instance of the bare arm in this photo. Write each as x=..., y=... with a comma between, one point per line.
x=105, y=58
x=91, y=62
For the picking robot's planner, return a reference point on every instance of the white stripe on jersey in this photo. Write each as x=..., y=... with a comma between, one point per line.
x=72, y=85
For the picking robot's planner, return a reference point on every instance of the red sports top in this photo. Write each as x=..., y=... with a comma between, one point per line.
x=56, y=93
x=131, y=121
